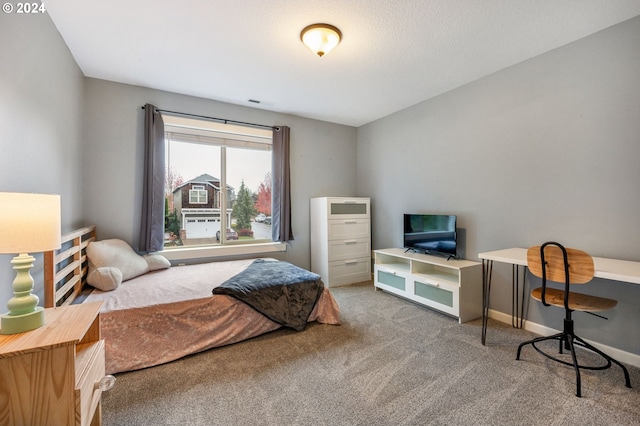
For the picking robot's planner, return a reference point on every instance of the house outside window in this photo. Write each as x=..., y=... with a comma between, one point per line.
x=218, y=183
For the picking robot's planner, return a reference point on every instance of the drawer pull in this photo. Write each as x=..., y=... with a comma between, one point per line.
x=350, y=262
x=350, y=242
x=350, y=222
x=430, y=284
x=106, y=383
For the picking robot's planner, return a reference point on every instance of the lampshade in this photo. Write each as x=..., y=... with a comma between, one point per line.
x=30, y=222
x=320, y=38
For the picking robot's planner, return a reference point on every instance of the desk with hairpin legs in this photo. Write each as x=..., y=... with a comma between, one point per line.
x=609, y=269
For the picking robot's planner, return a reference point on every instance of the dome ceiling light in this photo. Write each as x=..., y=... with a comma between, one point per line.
x=320, y=38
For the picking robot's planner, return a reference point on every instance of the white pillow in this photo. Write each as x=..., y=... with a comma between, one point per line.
x=116, y=254
x=156, y=261
x=104, y=278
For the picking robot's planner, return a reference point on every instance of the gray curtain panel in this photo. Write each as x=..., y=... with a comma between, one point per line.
x=152, y=223
x=281, y=210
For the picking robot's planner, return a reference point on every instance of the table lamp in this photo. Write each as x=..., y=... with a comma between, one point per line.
x=30, y=223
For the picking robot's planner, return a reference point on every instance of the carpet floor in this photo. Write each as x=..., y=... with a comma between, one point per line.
x=391, y=362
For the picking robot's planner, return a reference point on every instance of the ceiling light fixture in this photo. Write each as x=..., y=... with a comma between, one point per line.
x=320, y=38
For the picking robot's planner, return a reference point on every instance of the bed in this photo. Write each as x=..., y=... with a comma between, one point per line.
x=170, y=312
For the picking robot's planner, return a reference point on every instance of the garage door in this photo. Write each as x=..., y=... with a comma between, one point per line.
x=202, y=227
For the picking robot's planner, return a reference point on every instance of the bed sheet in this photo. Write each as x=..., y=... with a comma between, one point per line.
x=165, y=315
x=175, y=284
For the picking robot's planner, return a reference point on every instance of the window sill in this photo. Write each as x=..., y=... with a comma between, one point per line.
x=195, y=253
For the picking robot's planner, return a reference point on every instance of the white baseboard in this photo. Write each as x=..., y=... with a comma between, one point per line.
x=543, y=330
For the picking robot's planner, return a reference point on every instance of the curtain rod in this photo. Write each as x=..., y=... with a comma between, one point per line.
x=222, y=120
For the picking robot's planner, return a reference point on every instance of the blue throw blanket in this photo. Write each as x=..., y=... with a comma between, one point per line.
x=280, y=291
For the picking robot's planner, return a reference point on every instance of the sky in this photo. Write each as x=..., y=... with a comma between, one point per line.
x=191, y=160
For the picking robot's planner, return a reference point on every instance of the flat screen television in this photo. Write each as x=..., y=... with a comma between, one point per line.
x=431, y=234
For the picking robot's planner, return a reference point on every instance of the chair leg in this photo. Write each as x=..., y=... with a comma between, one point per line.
x=576, y=367
x=563, y=339
x=570, y=341
x=536, y=340
x=627, y=380
x=561, y=342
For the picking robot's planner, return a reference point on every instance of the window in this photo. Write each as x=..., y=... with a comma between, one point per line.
x=218, y=183
x=197, y=195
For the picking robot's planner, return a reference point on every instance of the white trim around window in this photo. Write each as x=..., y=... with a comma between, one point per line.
x=207, y=252
x=198, y=195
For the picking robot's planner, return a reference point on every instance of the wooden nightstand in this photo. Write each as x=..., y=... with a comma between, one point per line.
x=51, y=375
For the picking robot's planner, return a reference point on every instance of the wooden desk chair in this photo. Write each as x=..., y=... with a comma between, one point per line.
x=553, y=262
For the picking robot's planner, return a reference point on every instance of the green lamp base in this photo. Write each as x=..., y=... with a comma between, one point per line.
x=24, y=314
x=14, y=324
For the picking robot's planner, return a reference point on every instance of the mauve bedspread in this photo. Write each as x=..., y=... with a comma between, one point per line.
x=165, y=315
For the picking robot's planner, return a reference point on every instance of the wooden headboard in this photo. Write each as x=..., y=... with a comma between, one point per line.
x=65, y=270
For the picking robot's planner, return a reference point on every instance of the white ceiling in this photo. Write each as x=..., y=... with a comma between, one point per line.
x=394, y=54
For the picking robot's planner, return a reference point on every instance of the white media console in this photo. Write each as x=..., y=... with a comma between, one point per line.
x=453, y=287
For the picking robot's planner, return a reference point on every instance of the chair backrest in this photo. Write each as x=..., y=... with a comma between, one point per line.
x=580, y=263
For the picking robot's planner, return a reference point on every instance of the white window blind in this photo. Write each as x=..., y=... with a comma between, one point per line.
x=181, y=129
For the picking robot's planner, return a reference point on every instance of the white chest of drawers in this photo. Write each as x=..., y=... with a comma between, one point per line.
x=341, y=239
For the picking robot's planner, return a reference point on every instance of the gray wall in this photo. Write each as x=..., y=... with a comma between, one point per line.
x=41, y=109
x=323, y=156
x=548, y=149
